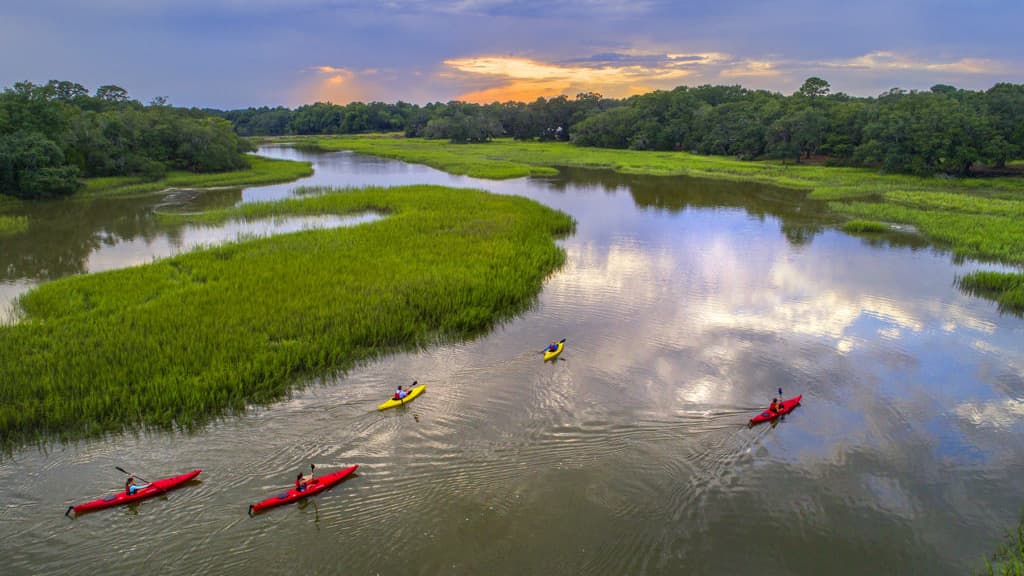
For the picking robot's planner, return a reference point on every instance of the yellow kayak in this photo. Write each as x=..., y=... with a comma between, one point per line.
x=552, y=355
x=412, y=394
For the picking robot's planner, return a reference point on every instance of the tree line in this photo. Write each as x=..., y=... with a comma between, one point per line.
x=53, y=135
x=942, y=130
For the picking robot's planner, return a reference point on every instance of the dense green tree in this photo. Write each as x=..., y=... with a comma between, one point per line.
x=50, y=135
x=814, y=87
x=32, y=167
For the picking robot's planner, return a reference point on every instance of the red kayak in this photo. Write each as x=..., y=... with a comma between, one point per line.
x=160, y=486
x=787, y=406
x=315, y=486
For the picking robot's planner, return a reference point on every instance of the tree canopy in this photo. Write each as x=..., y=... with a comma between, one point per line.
x=54, y=134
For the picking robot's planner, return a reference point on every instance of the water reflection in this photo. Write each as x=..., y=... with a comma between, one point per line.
x=686, y=305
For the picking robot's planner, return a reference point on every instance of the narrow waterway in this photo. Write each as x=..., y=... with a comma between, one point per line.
x=686, y=304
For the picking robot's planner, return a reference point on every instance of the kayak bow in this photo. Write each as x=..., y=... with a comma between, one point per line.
x=160, y=486
x=315, y=486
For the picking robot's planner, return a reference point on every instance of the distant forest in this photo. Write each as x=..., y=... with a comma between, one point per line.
x=945, y=130
x=53, y=135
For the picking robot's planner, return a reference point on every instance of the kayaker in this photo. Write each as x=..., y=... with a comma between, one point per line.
x=400, y=393
x=553, y=347
x=774, y=407
x=301, y=482
x=130, y=487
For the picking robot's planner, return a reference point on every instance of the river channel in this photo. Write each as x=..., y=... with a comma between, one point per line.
x=686, y=305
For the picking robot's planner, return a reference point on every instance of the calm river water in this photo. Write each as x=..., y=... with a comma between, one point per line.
x=686, y=305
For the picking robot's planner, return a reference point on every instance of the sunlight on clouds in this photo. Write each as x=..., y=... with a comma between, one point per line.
x=885, y=60
x=621, y=73
x=752, y=68
x=701, y=58
x=332, y=84
x=525, y=79
x=968, y=66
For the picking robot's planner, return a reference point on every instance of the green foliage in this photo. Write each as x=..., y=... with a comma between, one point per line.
x=11, y=225
x=180, y=340
x=866, y=227
x=32, y=167
x=463, y=123
x=52, y=134
x=814, y=87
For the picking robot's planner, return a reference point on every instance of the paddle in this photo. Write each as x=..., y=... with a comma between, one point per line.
x=148, y=483
x=130, y=474
x=407, y=391
x=562, y=341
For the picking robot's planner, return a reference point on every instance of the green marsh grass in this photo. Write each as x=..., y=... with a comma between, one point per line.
x=1005, y=288
x=261, y=171
x=182, y=340
x=11, y=225
x=1009, y=558
x=866, y=227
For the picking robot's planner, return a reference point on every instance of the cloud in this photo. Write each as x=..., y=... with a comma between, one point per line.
x=750, y=68
x=613, y=74
x=623, y=73
x=882, y=60
x=335, y=85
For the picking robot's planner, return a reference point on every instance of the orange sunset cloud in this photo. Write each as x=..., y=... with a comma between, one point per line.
x=524, y=79
x=336, y=85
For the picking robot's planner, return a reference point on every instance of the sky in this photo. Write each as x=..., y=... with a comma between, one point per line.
x=238, y=53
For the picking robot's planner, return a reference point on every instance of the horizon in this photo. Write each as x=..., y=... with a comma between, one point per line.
x=227, y=54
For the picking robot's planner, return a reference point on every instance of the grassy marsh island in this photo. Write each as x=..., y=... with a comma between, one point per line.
x=181, y=340
x=980, y=218
x=1005, y=288
x=261, y=171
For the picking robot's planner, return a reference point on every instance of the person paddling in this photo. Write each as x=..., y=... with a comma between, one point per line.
x=553, y=346
x=400, y=393
x=130, y=487
x=301, y=482
x=774, y=407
